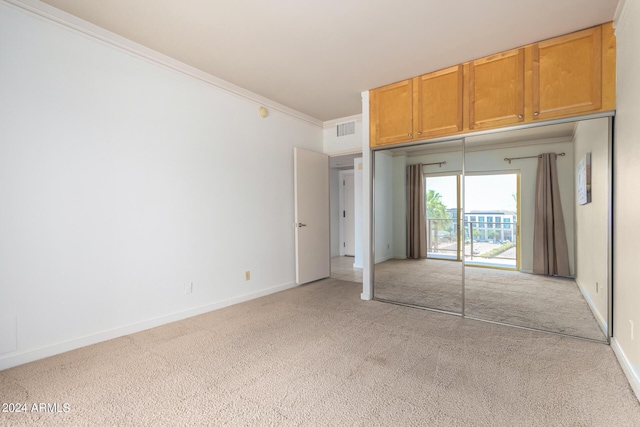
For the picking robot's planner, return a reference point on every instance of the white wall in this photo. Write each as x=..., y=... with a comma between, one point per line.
x=626, y=301
x=591, y=136
x=344, y=144
x=121, y=181
x=453, y=161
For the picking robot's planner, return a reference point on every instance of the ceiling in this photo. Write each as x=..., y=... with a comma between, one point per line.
x=318, y=56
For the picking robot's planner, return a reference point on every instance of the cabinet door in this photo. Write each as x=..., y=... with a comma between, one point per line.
x=567, y=75
x=391, y=111
x=439, y=103
x=496, y=90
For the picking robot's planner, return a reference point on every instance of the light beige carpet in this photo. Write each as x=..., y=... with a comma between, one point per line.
x=534, y=301
x=422, y=282
x=318, y=355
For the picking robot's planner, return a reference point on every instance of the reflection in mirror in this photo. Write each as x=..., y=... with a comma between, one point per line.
x=417, y=247
x=511, y=231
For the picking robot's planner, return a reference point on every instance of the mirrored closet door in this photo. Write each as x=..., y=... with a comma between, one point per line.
x=540, y=253
x=525, y=213
x=417, y=195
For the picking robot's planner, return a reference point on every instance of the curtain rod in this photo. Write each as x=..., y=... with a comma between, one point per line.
x=508, y=159
x=436, y=163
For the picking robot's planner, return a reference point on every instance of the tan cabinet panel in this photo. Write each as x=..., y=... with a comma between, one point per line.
x=438, y=103
x=496, y=90
x=608, y=67
x=567, y=75
x=391, y=111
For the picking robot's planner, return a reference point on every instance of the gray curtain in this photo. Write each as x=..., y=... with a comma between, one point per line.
x=416, y=213
x=550, y=252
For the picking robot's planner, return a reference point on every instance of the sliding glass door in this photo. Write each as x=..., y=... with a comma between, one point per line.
x=491, y=220
x=443, y=199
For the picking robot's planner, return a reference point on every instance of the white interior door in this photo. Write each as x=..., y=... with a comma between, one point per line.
x=349, y=216
x=311, y=199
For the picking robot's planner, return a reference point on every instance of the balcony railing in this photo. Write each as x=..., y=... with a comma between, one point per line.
x=485, y=243
x=442, y=239
x=490, y=243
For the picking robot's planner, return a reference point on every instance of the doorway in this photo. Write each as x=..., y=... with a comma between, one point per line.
x=345, y=172
x=348, y=219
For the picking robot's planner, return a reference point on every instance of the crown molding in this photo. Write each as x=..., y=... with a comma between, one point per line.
x=87, y=29
x=621, y=9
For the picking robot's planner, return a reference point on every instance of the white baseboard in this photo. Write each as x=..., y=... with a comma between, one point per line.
x=33, y=355
x=596, y=313
x=628, y=369
x=383, y=259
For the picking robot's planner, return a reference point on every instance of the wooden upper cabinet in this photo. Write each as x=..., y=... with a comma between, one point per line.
x=438, y=101
x=567, y=75
x=391, y=113
x=496, y=90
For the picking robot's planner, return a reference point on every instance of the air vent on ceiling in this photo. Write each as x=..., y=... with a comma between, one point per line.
x=344, y=129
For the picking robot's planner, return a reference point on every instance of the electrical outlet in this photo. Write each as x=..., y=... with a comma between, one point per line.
x=247, y=275
x=188, y=288
x=631, y=329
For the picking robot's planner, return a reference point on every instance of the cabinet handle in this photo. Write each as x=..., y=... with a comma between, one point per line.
x=535, y=113
x=519, y=116
x=409, y=134
x=419, y=133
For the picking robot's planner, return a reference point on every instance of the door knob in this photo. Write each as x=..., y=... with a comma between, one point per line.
x=299, y=224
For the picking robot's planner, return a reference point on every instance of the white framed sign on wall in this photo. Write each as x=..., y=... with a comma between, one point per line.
x=584, y=180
